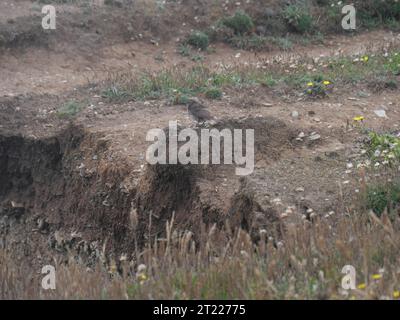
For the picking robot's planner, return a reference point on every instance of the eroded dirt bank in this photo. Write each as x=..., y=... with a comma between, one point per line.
x=72, y=191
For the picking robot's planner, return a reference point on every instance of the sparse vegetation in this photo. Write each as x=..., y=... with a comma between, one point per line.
x=381, y=197
x=184, y=50
x=198, y=40
x=382, y=82
x=298, y=18
x=384, y=148
x=393, y=64
x=178, y=97
x=283, y=43
x=188, y=82
x=213, y=93
x=305, y=264
x=197, y=58
x=69, y=109
x=240, y=23
x=382, y=159
x=253, y=42
x=375, y=13
x=115, y=94
x=322, y=74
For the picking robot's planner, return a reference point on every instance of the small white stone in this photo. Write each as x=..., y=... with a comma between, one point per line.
x=380, y=113
x=295, y=114
x=349, y=165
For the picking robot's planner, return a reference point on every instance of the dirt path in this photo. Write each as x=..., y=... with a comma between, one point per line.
x=40, y=71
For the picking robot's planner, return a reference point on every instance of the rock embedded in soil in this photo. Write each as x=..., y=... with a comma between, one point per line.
x=314, y=137
x=295, y=114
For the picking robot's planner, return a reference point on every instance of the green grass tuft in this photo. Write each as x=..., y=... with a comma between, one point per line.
x=199, y=40
x=69, y=109
x=240, y=22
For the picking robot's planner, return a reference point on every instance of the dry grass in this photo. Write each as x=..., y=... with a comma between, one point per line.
x=305, y=263
x=289, y=72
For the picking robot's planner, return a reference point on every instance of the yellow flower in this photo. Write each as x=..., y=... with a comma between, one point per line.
x=358, y=118
x=326, y=82
x=142, y=277
x=310, y=84
x=376, y=276
x=362, y=286
x=365, y=58
x=113, y=268
x=396, y=294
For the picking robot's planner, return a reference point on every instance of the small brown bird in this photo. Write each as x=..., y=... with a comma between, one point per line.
x=198, y=112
